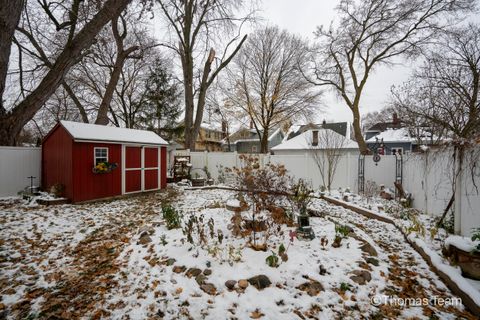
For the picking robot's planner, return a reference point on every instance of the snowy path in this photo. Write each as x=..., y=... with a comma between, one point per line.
x=409, y=275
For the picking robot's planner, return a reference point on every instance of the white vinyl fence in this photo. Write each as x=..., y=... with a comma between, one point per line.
x=16, y=165
x=427, y=176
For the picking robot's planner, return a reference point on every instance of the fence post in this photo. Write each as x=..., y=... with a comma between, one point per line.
x=205, y=154
x=348, y=171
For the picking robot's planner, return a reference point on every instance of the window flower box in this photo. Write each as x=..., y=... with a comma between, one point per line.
x=104, y=167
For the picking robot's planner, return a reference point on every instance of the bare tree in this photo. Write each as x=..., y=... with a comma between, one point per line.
x=444, y=93
x=195, y=26
x=371, y=33
x=78, y=35
x=326, y=149
x=10, y=12
x=267, y=81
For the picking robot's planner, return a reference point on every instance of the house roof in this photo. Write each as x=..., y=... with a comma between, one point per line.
x=304, y=141
x=392, y=135
x=342, y=128
x=93, y=132
x=254, y=138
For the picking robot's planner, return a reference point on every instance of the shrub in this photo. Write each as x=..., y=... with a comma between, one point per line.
x=301, y=196
x=345, y=287
x=171, y=216
x=264, y=186
x=342, y=230
x=272, y=260
x=475, y=237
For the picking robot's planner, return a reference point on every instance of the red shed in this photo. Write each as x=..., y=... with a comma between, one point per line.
x=94, y=162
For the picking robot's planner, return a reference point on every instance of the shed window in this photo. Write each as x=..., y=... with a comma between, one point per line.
x=254, y=149
x=101, y=155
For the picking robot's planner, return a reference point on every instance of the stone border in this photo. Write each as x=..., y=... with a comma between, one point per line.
x=467, y=301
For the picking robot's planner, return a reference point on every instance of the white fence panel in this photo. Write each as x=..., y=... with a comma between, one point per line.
x=426, y=176
x=16, y=165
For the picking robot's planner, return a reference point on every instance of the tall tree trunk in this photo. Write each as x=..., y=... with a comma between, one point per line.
x=12, y=122
x=201, y=98
x=187, y=67
x=357, y=131
x=10, y=11
x=264, y=141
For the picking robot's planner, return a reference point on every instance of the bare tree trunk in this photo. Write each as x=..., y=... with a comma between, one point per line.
x=264, y=141
x=122, y=55
x=357, y=131
x=12, y=122
x=102, y=115
x=10, y=11
x=75, y=100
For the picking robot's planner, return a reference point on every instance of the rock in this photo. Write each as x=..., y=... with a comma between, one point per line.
x=179, y=269
x=322, y=271
x=230, y=284
x=260, y=282
x=243, y=284
x=207, y=272
x=209, y=264
x=373, y=261
x=193, y=272
x=200, y=279
x=361, y=276
x=209, y=289
x=144, y=239
x=367, y=248
x=146, y=232
x=312, y=287
x=160, y=313
x=170, y=262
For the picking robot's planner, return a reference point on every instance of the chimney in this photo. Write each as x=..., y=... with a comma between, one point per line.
x=395, y=119
x=315, y=138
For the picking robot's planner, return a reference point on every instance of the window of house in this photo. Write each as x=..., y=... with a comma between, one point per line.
x=100, y=155
x=398, y=150
x=254, y=149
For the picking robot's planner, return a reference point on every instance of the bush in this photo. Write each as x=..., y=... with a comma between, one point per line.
x=171, y=216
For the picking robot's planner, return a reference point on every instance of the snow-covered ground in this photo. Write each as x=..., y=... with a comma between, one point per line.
x=421, y=228
x=117, y=260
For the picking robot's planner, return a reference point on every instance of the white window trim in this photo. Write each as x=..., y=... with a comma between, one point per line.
x=95, y=154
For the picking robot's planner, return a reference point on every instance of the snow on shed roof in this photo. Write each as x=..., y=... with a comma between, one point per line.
x=94, y=132
x=304, y=141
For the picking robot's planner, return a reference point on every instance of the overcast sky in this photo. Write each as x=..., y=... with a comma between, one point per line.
x=302, y=17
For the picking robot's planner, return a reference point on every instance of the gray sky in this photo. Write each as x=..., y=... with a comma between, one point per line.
x=302, y=17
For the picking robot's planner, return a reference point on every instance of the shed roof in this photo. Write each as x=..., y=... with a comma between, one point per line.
x=93, y=132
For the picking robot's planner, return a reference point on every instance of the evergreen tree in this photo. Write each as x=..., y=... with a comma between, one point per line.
x=161, y=107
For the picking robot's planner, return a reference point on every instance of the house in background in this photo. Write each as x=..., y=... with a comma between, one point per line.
x=394, y=137
x=343, y=128
x=380, y=127
x=248, y=141
x=312, y=140
x=209, y=138
x=93, y=162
